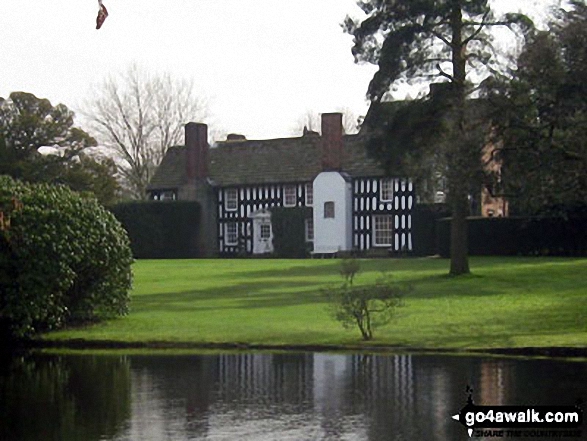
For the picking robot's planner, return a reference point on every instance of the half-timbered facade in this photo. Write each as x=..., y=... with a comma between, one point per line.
x=244, y=215
x=355, y=206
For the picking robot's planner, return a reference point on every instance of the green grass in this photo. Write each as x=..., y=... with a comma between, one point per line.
x=506, y=302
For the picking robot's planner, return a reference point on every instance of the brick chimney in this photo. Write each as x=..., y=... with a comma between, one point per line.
x=196, y=142
x=332, y=141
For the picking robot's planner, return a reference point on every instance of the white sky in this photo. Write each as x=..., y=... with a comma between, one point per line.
x=262, y=63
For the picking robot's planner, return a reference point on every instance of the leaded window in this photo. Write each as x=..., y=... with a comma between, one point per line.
x=289, y=196
x=231, y=233
x=265, y=231
x=231, y=201
x=386, y=193
x=309, y=230
x=309, y=195
x=383, y=230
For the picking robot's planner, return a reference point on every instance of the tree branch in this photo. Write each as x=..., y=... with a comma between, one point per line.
x=478, y=30
x=444, y=74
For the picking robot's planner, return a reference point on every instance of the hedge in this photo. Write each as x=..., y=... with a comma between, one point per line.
x=161, y=229
x=424, y=227
x=508, y=236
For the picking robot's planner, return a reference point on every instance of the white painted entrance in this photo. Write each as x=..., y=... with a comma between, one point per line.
x=262, y=232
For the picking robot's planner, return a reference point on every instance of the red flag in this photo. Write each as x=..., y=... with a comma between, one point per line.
x=102, y=14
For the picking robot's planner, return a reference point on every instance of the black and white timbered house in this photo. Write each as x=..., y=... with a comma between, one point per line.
x=355, y=206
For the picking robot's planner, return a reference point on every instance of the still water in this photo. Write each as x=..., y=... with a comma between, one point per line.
x=261, y=396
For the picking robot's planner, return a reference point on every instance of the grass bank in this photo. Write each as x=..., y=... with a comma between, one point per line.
x=505, y=303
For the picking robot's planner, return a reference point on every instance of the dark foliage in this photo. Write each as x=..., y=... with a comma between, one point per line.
x=63, y=259
x=540, y=116
x=527, y=236
x=28, y=123
x=424, y=227
x=289, y=233
x=420, y=41
x=161, y=229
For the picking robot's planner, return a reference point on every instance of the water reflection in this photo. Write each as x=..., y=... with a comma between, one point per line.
x=266, y=396
x=64, y=398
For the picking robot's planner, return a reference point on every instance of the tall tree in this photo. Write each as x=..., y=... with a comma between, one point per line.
x=138, y=116
x=541, y=119
x=27, y=124
x=423, y=40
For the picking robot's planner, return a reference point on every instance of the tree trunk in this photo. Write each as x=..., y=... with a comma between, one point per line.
x=459, y=249
x=459, y=261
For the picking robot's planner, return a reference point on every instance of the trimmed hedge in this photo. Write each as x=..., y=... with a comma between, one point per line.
x=161, y=229
x=63, y=259
x=424, y=227
x=508, y=236
x=289, y=231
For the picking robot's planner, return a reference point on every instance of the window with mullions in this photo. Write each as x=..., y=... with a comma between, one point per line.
x=289, y=196
x=265, y=231
x=231, y=199
x=309, y=230
x=309, y=195
x=386, y=193
x=382, y=230
x=231, y=233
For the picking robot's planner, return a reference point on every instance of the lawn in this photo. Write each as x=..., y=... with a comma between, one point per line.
x=505, y=302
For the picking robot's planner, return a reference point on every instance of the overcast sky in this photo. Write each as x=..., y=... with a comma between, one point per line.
x=261, y=63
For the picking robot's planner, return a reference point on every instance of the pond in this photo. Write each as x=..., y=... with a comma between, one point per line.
x=267, y=396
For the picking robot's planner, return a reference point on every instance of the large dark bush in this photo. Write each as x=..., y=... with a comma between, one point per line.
x=424, y=226
x=289, y=231
x=63, y=259
x=161, y=229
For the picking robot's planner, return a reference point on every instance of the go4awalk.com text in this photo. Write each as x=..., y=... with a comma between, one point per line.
x=521, y=421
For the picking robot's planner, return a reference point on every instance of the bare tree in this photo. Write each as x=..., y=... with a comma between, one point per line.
x=310, y=120
x=138, y=116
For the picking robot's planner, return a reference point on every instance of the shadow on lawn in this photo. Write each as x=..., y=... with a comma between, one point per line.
x=419, y=270
x=279, y=292
x=274, y=289
x=301, y=285
x=332, y=267
x=263, y=294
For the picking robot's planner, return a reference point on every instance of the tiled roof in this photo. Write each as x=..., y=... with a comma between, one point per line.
x=252, y=162
x=171, y=172
x=267, y=161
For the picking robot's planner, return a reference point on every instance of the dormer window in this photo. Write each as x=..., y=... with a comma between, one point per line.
x=231, y=199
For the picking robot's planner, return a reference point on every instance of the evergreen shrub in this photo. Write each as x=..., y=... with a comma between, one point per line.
x=289, y=231
x=63, y=259
x=424, y=226
x=161, y=229
x=528, y=236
